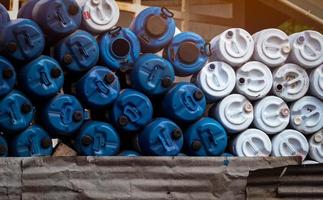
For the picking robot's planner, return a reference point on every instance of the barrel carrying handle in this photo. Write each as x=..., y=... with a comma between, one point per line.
x=114, y=30
x=166, y=13
x=207, y=49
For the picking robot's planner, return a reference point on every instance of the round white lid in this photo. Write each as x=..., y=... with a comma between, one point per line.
x=316, y=146
x=316, y=82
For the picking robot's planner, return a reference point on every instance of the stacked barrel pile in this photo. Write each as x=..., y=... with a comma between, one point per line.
x=67, y=72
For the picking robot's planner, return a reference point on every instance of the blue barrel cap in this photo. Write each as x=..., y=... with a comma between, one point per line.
x=7, y=76
x=188, y=52
x=97, y=139
x=26, y=10
x=57, y=18
x=152, y=75
x=3, y=147
x=129, y=153
x=205, y=137
x=63, y=115
x=155, y=27
x=184, y=103
x=131, y=111
x=34, y=141
x=161, y=137
x=78, y=51
x=42, y=77
x=4, y=16
x=16, y=112
x=98, y=88
x=22, y=40
x=119, y=47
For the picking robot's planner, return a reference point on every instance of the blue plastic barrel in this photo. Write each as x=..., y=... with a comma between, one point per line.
x=152, y=75
x=3, y=147
x=7, y=76
x=155, y=27
x=129, y=153
x=188, y=52
x=26, y=10
x=16, y=112
x=98, y=88
x=119, y=47
x=184, y=103
x=34, y=141
x=131, y=111
x=4, y=16
x=161, y=137
x=22, y=40
x=205, y=137
x=97, y=139
x=63, y=115
x=41, y=78
x=78, y=51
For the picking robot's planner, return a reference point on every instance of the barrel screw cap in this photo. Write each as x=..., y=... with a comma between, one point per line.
x=318, y=138
x=177, y=134
x=279, y=87
x=77, y=116
x=196, y=145
x=26, y=108
x=156, y=26
x=55, y=72
x=67, y=59
x=7, y=73
x=12, y=47
x=188, y=52
x=87, y=140
x=242, y=80
x=300, y=39
x=123, y=120
x=166, y=82
x=229, y=34
x=248, y=107
x=212, y=67
x=46, y=143
x=284, y=112
x=109, y=78
x=198, y=95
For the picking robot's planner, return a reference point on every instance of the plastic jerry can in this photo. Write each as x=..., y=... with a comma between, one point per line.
x=16, y=112
x=97, y=139
x=34, y=141
x=119, y=47
x=98, y=88
x=290, y=82
x=307, y=115
x=161, y=137
x=131, y=111
x=152, y=75
x=290, y=143
x=205, y=137
x=252, y=143
x=155, y=28
x=42, y=77
x=98, y=15
x=57, y=18
x=78, y=52
x=63, y=115
x=129, y=153
x=188, y=52
x=22, y=40
x=234, y=112
x=3, y=146
x=254, y=80
x=316, y=82
x=26, y=10
x=271, y=115
x=4, y=16
x=7, y=76
x=234, y=46
x=184, y=103
x=316, y=146
x=307, y=49
x=216, y=80
x=271, y=47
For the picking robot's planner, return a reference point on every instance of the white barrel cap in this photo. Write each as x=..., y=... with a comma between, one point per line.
x=235, y=112
x=316, y=82
x=290, y=82
x=290, y=143
x=234, y=46
x=271, y=115
x=99, y=15
x=306, y=49
x=307, y=115
x=316, y=146
x=254, y=80
x=271, y=47
x=251, y=143
x=309, y=162
x=216, y=79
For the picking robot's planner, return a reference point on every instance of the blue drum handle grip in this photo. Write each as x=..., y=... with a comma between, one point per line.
x=207, y=49
x=166, y=13
x=114, y=31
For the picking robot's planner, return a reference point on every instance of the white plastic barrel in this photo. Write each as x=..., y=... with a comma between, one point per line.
x=254, y=80
x=290, y=82
x=235, y=112
x=316, y=146
x=306, y=49
x=271, y=115
x=234, y=46
x=290, y=143
x=316, y=82
x=251, y=143
x=307, y=115
x=271, y=47
x=216, y=79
